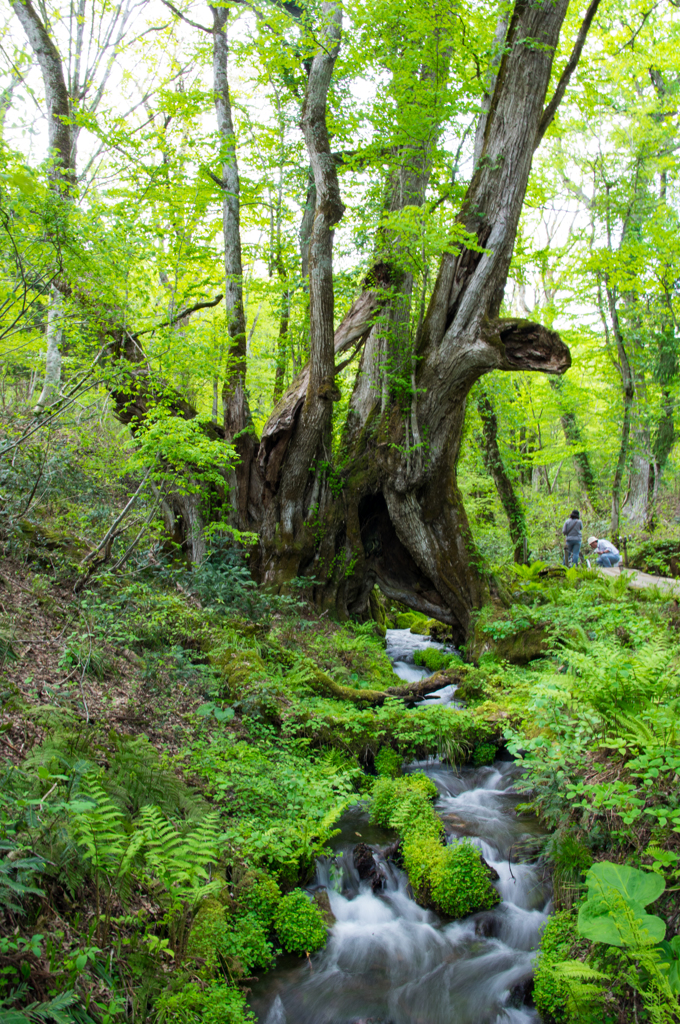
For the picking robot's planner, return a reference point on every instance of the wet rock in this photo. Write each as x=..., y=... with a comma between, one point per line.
x=323, y=902
x=493, y=874
x=521, y=993
x=393, y=853
x=364, y=862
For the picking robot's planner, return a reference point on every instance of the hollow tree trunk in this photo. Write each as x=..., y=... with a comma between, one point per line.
x=392, y=512
x=493, y=460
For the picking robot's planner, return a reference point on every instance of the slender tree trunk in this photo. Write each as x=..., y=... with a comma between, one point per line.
x=628, y=394
x=309, y=448
x=572, y=434
x=495, y=466
x=62, y=151
x=238, y=426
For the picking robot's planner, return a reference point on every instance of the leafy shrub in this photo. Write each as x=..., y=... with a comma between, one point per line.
x=242, y=942
x=259, y=895
x=388, y=762
x=299, y=923
x=459, y=880
x=219, y=1003
x=484, y=753
x=550, y=992
x=434, y=659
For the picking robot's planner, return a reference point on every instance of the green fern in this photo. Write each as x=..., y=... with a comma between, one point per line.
x=179, y=861
x=582, y=984
x=66, y=1008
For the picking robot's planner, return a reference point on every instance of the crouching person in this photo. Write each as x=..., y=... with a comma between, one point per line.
x=607, y=554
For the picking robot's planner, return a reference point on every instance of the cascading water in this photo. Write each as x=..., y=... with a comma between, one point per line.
x=389, y=961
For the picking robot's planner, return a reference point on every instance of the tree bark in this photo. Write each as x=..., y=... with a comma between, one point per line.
x=62, y=174
x=308, y=450
x=628, y=395
x=495, y=466
x=237, y=421
x=61, y=139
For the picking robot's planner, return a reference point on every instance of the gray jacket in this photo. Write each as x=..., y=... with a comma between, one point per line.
x=572, y=529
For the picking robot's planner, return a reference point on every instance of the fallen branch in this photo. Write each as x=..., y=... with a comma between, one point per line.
x=409, y=691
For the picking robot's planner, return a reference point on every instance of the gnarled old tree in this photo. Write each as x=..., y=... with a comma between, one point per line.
x=388, y=509
x=391, y=512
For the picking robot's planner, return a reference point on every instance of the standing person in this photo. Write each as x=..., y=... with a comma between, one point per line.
x=572, y=530
x=607, y=554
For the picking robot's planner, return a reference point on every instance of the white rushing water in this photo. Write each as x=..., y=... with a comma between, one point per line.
x=388, y=960
x=401, y=645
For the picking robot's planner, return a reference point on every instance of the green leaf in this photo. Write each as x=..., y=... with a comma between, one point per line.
x=616, y=921
x=638, y=886
x=669, y=954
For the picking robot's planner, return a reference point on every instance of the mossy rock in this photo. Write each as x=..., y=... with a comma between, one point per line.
x=518, y=649
x=421, y=627
x=38, y=536
x=524, y=647
x=237, y=668
x=404, y=620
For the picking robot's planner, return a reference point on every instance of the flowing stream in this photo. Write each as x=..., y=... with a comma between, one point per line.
x=389, y=961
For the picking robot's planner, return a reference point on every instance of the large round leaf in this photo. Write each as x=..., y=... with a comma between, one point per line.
x=619, y=922
x=640, y=886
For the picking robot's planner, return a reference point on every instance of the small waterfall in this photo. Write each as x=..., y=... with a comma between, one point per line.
x=390, y=961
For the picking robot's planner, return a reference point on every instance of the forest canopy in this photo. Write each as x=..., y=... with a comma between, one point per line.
x=359, y=282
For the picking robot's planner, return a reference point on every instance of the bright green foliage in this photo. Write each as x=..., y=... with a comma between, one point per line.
x=451, y=878
x=459, y=880
x=550, y=994
x=299, y=923
x=242, y=941
x=388, y=762
x=614, y=911
x=669, y=955
x=484, y=753
x=218, y=1003
x=259, y=895
x=434, y=659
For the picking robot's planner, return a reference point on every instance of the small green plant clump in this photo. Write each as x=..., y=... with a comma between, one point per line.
x=388, y=762
x=434, y=659
x=484, y=753
x=299, y=923
x=452, y=878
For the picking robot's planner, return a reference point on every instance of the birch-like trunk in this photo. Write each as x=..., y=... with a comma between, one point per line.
x=236, y=412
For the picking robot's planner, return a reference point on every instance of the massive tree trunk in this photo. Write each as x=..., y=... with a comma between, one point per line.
x=391, y=512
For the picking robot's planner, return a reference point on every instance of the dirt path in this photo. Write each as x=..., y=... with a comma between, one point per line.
x=639, y=579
